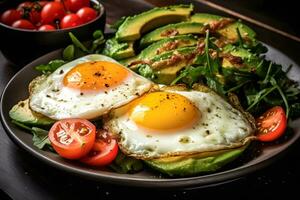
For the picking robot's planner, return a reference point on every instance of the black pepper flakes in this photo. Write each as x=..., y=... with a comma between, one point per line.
x=61, y=71
x=106, y=85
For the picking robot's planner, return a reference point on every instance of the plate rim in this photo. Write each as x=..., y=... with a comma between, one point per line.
x=199, y=181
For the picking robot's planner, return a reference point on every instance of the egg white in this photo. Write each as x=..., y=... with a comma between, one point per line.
x=221, y=126
x=51, y=98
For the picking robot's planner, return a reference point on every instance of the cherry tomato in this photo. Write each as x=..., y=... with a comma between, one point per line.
x=70, y=20
x=25, y=5
x=75, y=5
x=43, y=3
x=23, y=24
x=272, y=124
x=86, y=14
x=46, y=27
x=52, y=11
x=72, y=138
x=35, y=16
x=104, y=150
x=10, y=16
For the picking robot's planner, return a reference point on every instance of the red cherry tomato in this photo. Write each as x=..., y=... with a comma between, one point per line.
x=35, y=17
x=86, y=14
x=70, y=20
x=271, y=125
x=52, y=11
x=23, y=24
x=46, y=27
x=104, y=150
x=10, y=16
x=72, y=138
x=75, y=5
x=43, y=3
x=25, y=5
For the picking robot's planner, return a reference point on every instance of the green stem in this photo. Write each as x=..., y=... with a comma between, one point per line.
x=238, y=86
x=263, y=96
x=207, y=52
x=268, y=72
x=240, y=37
x=274, y=83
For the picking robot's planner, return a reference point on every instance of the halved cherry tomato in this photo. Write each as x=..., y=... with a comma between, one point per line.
x=23, y=24
x=46, y=27
x=271, y=125
x=86, y=14
x=10, y=16
x=51, y=12
x=70, y=20
x=104, y=150
x=72, y=138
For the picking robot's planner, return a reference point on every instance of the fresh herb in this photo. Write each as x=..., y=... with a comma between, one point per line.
x=40, y=136
x=50, y=67
x=146, y=71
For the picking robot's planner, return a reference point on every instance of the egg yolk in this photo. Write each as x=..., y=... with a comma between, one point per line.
x=95, y=75
x=164, y=111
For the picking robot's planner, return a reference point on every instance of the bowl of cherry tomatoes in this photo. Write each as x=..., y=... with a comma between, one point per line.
x=30, y=29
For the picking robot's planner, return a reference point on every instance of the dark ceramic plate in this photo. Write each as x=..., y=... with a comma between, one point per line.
x=16, y=90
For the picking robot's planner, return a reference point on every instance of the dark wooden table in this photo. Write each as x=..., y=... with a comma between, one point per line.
x=24, y=177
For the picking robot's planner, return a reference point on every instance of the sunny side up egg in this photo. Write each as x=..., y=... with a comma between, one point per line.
x=87, y=87
x=176, y=122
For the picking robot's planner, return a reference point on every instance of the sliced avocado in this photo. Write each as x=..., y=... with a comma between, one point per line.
x=132, y=28
x=167, y=73
x=229, y=31
x=250, y=60
x=23, y=114
x=172, y=30
x=167, y=44
x=192, y=165
x=205, y=18
x=118, y=50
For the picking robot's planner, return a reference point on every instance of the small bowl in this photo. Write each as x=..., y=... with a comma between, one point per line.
x=20, y=46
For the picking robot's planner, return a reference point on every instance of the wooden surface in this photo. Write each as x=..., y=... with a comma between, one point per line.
x=24, y=177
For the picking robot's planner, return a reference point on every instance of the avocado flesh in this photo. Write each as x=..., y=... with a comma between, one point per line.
x=23, y=114
x=205, y=18
x=118, y=50
x=132, y=28
x=180, y=41
x=167, y=74
x=181, y=28
x=229, y=31
x=193, y=165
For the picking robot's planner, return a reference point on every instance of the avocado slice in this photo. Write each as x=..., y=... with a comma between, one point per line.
x=23, y=114
x=172, y=30
x=165, y=73
x=118, y=50
x=193, y=165
x=205, y=18
x=132, y=28
x=229, y=31
x=167, y=44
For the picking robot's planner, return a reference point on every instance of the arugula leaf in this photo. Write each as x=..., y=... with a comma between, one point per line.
x=50, y=67
x=240, y=39
x=124, y=164
x=146, y=71
x=40, y=138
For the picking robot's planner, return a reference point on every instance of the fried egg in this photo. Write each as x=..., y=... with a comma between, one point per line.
x=178, y=122
x=86, y=88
